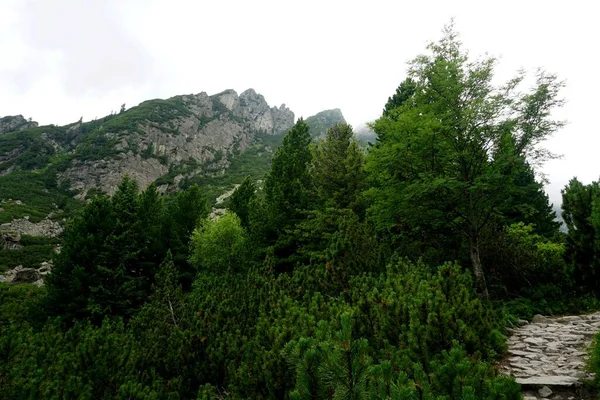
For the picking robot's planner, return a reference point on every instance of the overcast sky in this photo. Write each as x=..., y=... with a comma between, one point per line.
x=63, y=59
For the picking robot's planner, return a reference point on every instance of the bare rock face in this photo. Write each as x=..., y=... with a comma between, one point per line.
x=202, y=136
x=23, y=226
x=19, y=274
x=15, y=123
x=10, y=240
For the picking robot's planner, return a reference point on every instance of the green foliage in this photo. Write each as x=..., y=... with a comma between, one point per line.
x=520, y=260
x=404, y=92
x=581, y=213
x=219, y=245
x=241, y=199
x=446, y=158
x=39, y=194
x=108, y=259
x=337, y=168
x=84, y=362
x=20, y=305
x=288, y=180
x=182, y=216
x=27, y=256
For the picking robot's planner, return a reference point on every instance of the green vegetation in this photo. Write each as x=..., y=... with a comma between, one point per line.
x=388, y=274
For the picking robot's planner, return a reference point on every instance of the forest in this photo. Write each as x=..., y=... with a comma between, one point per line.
x=392, y=272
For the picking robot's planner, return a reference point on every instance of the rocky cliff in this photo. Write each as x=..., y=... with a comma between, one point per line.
x=178, y=138
x=212, y=140
x=13, y=123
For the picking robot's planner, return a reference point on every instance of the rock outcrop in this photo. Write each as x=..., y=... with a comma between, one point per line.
x=548, y=356
x=19, y=274
x=10, y=240
x=194, y=134
x=13, y=123
x=23, y=226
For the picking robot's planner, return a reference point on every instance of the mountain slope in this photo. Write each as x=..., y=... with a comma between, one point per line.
x=320, y=122
x=214, y=141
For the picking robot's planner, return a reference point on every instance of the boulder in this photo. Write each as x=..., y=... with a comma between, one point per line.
x=10, y=240
x=540, y=319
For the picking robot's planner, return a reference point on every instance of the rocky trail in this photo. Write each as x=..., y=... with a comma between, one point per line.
x=548, y=356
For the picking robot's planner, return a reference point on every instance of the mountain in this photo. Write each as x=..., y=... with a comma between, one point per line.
x=214, y=141
x=319, y=123
x=15, y=123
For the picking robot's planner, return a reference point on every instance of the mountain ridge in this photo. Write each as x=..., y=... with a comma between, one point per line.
x=210, y=140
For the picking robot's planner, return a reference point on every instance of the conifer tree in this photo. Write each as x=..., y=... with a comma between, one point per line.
x=241, y=200
x=288, y=194
x=581, y=213
x=337, y=168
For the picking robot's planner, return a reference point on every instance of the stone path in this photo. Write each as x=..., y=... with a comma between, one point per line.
x=548, y=356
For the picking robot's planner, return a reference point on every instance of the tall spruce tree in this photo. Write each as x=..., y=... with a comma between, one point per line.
x=240, y=200
x=287, y=183
x=338, y=168
x=106, y=265
x=448, y=157
x=287, y=193
x=581, y=213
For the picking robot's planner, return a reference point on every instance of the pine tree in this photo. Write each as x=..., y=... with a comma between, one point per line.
x=241, y=199
x=182, y=216
x=287, y=183
x=581, y=213
x=337, y=168
x=287, y=192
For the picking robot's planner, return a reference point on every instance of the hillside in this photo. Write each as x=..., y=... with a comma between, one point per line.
x=47, y=172
x=214, y=140
x=320, y=122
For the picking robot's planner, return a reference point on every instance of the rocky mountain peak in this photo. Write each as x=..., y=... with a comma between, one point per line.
x=319, y=123
x=13, y=123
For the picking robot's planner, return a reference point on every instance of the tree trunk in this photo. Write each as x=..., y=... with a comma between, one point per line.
x=477, y=268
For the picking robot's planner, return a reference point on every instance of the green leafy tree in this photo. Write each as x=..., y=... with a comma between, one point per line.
x=447, y=158
x=241, y=199
x=219, y=245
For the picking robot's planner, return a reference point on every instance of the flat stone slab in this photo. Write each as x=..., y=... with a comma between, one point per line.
x=549, y=380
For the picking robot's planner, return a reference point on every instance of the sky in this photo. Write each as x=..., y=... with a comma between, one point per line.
x=65, y=59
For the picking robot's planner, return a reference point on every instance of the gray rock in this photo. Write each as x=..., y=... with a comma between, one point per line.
x=545, y=391
x=10, y=240
x=538, y=318
x=216, y=128
x=548, y=380
x=23, y=226
x=15, y=123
